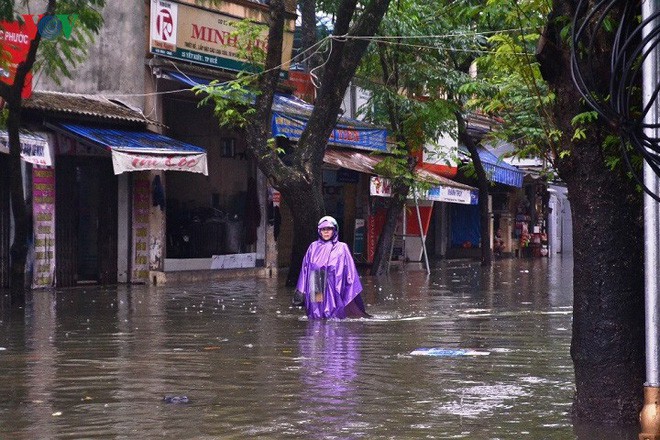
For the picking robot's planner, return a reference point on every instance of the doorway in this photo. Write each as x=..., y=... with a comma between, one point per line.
x=86, y=221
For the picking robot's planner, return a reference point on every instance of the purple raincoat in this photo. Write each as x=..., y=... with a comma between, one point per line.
x=330, y=281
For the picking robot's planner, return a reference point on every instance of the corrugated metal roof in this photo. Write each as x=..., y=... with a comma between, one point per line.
x=366, y=163
x=96, y=106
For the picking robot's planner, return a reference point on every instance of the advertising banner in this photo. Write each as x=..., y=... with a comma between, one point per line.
x=43, y=208
x=15, y=39
x=193, y=163
x=34, y=148
x=354, y=136
x=205, y=37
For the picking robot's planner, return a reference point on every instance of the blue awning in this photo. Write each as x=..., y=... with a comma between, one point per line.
x=290, y=115
x=137, y=150
x=497, y=170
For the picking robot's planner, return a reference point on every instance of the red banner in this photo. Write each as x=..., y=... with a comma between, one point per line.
x=15, y=39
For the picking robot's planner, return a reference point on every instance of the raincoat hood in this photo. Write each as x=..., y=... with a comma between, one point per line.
x=328, y=222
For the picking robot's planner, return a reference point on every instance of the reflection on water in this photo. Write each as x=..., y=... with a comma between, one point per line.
x=97, y=362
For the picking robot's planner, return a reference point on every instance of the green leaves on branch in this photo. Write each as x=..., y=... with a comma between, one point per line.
x=58, y=57
x=581, y=121
x=233, y=100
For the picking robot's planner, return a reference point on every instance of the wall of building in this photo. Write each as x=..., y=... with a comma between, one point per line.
x=116, y=60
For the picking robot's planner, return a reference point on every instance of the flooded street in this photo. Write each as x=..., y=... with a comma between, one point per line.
x=237, y=362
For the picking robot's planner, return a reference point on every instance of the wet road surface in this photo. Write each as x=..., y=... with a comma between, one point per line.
x=234, y=361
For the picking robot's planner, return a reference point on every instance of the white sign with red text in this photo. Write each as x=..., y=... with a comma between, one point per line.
x=192, y=163
x=164, y=17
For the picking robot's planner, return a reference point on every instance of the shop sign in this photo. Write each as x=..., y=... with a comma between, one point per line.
x=356, y=137
x=194, y=163
x=451, y=195
x=34, y=148
x=204, y=37
x=382, y=187
x=43, y=209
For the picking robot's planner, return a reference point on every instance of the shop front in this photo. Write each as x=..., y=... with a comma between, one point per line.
x=36, y=158
x=365, y=204
x=109, y=200
x=464, y=222
x=213, y=221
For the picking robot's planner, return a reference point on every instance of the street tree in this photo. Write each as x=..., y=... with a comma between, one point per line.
x=421, y=81
x=298, y=178
x=545, y=112
x=55, y=54
x=413, y=73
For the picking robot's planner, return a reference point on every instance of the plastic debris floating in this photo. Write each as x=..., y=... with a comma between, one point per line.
x=448, y=352
x=176, y=399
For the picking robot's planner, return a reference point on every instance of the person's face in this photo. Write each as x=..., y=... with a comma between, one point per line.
x=326, y=233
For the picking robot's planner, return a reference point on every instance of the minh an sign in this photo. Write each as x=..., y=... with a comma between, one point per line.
x=203, y=37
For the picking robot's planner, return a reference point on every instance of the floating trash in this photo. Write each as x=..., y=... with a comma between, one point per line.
x=448, y=352
x=176, y=399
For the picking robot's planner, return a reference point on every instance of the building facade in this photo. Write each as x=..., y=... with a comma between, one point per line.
x=143, y=185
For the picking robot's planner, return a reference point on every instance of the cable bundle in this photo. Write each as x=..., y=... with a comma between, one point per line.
x=619, y=100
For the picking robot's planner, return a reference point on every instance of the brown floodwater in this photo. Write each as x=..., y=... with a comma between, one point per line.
x=235, y=361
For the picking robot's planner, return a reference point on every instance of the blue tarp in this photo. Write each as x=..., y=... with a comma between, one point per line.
x=131, y=141
x=498, y=170
x=290, y=115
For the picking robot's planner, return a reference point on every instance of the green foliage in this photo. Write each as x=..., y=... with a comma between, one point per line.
x=58, y=57
x=4, y=114
x=247, y=33
x=584, y=118
x=232, y=100
x=418, y=77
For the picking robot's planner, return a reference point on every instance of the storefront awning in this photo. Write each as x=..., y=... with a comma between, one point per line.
x=498, y=170
x=290, y=115
x=138, y=150
x=34, y=147
x=442, y=190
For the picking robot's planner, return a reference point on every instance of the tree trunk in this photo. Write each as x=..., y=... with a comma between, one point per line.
x=299, y=180
x=308, y=31
x=306, y=208
x=19, y=247
x=484, y=188
x=382, y=254
x=608, y=307
x=12, y=96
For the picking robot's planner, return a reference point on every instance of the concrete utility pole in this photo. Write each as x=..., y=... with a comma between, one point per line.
x=650, y=415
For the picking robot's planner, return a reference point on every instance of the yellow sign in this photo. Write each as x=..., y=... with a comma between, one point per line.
x=204, y=37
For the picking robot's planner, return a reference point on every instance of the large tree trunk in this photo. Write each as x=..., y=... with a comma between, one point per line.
x=297, y=180
x=19, y=247
x=306, y=209
x=12, y=96
x=608, y=307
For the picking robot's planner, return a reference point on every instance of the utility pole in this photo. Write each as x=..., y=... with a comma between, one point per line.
x=650, y=414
